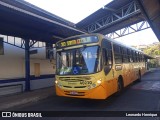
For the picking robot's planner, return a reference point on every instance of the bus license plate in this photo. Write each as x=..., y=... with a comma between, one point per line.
x=73, y=93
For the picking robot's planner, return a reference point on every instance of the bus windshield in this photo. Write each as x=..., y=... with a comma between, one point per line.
x=78, y=61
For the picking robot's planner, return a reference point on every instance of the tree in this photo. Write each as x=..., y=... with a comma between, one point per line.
x=154, y=51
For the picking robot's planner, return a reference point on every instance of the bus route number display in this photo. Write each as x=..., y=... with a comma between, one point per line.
x=78, y=41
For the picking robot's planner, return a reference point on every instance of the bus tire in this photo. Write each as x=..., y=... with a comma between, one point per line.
x=119, y=85
x=139, y=76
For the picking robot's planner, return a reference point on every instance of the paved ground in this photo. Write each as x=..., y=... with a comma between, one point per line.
x=140, y=96
x=19, y=99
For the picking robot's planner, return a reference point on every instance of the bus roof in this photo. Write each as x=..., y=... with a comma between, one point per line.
x=111, y=40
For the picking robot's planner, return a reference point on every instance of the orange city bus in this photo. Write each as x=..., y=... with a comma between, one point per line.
x=94, y=66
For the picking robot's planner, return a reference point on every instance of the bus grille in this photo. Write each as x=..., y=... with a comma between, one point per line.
x=67, y=86
x=73, y=80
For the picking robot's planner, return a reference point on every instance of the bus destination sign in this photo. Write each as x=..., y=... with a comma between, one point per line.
x=78, y=41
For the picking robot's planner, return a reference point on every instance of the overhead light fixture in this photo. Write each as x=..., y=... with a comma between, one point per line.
x=107, y=8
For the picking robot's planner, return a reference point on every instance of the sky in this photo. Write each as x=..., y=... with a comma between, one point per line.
x=76, y=10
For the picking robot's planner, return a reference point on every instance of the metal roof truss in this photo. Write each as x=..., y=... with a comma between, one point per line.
x=129, y=30
x=115, y=16
x=21, y=43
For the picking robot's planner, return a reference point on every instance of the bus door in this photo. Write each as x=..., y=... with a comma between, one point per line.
x=107, y=64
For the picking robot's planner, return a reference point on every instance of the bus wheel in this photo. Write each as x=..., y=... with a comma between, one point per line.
x=119, y=86
x=139, y=77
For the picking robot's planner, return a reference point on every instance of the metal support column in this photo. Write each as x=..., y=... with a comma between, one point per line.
x=49, y=46
x=27, y=66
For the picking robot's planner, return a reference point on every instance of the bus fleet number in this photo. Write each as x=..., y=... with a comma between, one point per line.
x=85, y=82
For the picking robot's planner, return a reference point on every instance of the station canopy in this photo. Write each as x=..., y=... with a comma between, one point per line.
x=22, y=19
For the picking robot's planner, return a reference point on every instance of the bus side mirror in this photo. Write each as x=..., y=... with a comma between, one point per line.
x=107, y=69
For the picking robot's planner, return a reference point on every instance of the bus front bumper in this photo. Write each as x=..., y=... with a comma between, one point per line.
x=98, y=92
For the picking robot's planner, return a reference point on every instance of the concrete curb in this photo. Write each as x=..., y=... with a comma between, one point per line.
x=24, y=99
x=151, y=70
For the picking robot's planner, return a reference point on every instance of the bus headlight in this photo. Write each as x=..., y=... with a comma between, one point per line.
x=99, y=81
x=93, y=85
x=56, y=81
x=58, y=84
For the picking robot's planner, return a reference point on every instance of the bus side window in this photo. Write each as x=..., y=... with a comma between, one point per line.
x=105, y=58
x=117, y=54
x=129, y=55
x=110, y=60
x=125, y=56
x=132, y=52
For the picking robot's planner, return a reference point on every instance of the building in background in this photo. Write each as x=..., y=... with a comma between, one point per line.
x=12, y=68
